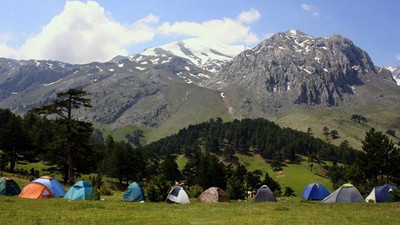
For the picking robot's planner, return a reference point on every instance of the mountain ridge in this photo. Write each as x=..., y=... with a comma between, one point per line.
x=164, y=90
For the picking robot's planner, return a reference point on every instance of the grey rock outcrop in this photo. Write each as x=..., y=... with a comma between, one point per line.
x=295, y=68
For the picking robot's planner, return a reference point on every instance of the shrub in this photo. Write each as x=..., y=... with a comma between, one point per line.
x=289, y=192
x=105, y=191
x=195, y=191
x=394, y=196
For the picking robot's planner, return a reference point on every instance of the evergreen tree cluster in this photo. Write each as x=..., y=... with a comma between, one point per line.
x=274, y=143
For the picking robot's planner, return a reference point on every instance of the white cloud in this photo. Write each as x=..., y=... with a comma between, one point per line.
x=226, y=30
x=312, y=9
x=398, y=57
x=7, y=51
x=249, y=16
x=84, y=32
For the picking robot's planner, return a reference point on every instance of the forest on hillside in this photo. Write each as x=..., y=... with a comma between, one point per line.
x=71, y=147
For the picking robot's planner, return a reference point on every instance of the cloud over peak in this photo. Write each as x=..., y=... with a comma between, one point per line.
x=84, y=32
x=226, y=30
x=310, y=8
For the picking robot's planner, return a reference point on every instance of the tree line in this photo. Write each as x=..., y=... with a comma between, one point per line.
x=71, y=147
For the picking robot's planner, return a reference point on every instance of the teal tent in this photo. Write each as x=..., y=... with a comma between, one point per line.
x=134, y=192
x=81, y=190
x=9, y=187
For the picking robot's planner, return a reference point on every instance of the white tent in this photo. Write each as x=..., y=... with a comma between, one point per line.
x=178, y=195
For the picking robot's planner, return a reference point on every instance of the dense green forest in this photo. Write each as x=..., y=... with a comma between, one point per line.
x=72, y=147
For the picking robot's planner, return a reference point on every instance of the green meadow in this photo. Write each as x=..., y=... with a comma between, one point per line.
x=14, y=210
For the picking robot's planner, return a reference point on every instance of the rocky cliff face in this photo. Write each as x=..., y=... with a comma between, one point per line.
x=295, y=68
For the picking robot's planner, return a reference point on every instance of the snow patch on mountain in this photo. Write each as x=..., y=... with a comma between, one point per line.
x=204, y=54
x=395, y=73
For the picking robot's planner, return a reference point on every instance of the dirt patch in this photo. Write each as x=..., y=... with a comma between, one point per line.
x=280, y=174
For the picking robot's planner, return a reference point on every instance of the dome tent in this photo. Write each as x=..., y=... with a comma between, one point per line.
x=264, y=194
x=381, y=193
x=35, y=191
x=52, y=184
x=315, y=191
x=9, y=187
x=213, y=194
x=177, y=195
x=347, y=193
x=81, y=190
x=134, y=192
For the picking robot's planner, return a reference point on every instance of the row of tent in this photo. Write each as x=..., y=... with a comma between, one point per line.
x=48, y=187
x=347, y=193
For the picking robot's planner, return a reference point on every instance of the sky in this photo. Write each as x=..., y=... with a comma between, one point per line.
x=86, y=31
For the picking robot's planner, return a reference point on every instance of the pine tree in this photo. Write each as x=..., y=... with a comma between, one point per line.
x=74, y=134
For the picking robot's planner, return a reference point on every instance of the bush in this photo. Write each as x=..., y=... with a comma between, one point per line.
x=394, y=196
x=195, y=191
x=157, y=188
x=289, y=192
x=105, y=191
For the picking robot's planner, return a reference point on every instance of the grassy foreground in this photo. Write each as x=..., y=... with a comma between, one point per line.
x=14, y=210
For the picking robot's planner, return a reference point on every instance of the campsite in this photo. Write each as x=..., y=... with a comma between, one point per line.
x=112, y=210
x=131, y=207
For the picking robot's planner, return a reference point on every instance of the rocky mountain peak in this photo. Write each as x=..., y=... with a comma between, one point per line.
x=297, y=68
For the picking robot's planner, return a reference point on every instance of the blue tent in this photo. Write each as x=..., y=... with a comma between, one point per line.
x=134, y=192
x=53, y=185
x=315, y=191
x=381, y=193
x=81, y=190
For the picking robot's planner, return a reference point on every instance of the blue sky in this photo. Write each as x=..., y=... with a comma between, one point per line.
x=86, y=31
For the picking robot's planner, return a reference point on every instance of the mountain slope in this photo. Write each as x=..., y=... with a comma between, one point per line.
x=134, y=91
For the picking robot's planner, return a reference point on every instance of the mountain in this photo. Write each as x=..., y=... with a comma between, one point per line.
x=293, y=68
x=296, y=79
x=395, y=73
x=204, y=54
x=140, y=90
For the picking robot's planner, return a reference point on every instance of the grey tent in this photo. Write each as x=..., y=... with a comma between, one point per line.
x=178, y=195
x=264, y=194
x=213, y=194
x=347, y=193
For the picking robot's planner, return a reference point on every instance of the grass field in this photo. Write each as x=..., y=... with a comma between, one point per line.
x=339, y=118
x=112, y=211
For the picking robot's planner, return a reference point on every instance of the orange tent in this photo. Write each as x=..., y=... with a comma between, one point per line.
x=35, y=191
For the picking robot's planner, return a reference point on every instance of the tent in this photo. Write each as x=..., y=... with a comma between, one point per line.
x=381, y=193
x=35, y=191
x=264, y=194
x=134, y=192
x=347, y=193
x=9, y=187
x=315, y=191
x=213, y=194
x=178, y=195
x=53, y=185
x=81, y=190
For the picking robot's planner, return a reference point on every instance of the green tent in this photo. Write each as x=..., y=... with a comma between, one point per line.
x=9, y=187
